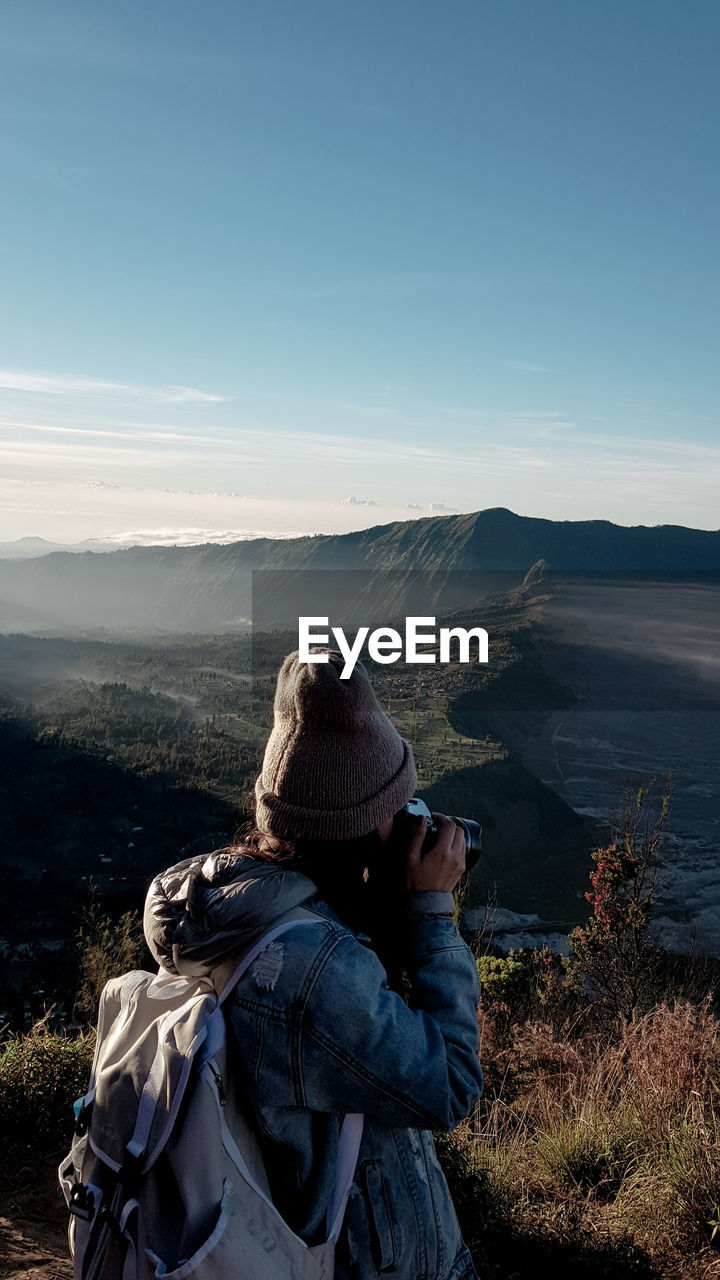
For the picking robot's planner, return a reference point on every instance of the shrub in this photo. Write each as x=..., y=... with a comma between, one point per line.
x=41, y=1075
x=613, y=954
x=505, y=977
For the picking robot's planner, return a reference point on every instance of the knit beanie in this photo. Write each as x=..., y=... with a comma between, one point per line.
x=334, y=767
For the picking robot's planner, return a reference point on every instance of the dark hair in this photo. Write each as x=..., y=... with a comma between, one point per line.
x=362, y=879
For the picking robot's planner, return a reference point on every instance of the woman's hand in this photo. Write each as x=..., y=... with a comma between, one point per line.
x=442, y=867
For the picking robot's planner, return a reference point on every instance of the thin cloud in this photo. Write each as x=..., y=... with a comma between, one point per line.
x=250, y=447
x=186, y=537
x=533, y=413
x=68, y=385
x=171, y=437
x=545, y=432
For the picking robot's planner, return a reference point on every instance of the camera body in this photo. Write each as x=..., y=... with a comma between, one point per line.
x=472, y=831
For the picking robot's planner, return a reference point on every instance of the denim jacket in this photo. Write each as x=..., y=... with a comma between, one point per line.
x=317, y=1033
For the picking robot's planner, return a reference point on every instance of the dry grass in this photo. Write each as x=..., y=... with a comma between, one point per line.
x=599, y=1151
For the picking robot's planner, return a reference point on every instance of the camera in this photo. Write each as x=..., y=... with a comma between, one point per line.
x=472, y=831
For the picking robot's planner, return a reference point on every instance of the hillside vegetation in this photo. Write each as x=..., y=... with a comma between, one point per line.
x=119, y=758
x=595, y=1151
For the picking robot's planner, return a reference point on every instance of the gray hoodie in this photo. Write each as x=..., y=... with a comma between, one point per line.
x=209, y=907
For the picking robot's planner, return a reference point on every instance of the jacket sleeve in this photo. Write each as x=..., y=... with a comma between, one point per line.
x=363, y=1049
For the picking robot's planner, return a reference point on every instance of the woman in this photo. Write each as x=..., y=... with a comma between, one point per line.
x=372, y=1007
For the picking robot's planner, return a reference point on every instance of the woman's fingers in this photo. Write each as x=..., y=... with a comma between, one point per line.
x=441, y=868
x=450, y=837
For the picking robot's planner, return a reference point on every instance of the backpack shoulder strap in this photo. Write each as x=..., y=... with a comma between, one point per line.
x=226, y=978
x=227, y=975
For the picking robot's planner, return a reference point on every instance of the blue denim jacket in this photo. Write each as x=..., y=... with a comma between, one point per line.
x=318, y=1033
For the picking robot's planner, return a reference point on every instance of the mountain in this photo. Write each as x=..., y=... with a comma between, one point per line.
x=208, y=588
x=29, y=548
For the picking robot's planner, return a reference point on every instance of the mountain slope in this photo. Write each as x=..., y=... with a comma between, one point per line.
x=207, y=588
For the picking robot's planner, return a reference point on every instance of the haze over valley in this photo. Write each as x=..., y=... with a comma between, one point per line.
x=603, y=673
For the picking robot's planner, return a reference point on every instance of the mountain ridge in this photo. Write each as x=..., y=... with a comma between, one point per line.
x=206, y=587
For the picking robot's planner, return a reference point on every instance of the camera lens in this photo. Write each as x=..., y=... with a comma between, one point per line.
x=473, y=840
x=470, y=829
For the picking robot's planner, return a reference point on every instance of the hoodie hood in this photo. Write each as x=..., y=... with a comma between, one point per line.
x=209, y=907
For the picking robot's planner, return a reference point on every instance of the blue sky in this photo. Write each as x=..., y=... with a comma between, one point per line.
x=285, y=266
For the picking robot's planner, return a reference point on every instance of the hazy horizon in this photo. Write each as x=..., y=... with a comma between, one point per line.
x=353, y=518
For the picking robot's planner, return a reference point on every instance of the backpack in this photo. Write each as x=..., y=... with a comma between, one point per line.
x=165, y=1177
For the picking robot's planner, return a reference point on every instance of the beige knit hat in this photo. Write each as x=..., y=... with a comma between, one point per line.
x=334, y=766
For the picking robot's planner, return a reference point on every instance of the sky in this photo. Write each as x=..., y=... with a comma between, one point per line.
x=280, y=267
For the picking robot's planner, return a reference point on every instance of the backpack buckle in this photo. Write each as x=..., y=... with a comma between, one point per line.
x=82, y=1202
x=107, y=1216
x=83, y=1120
